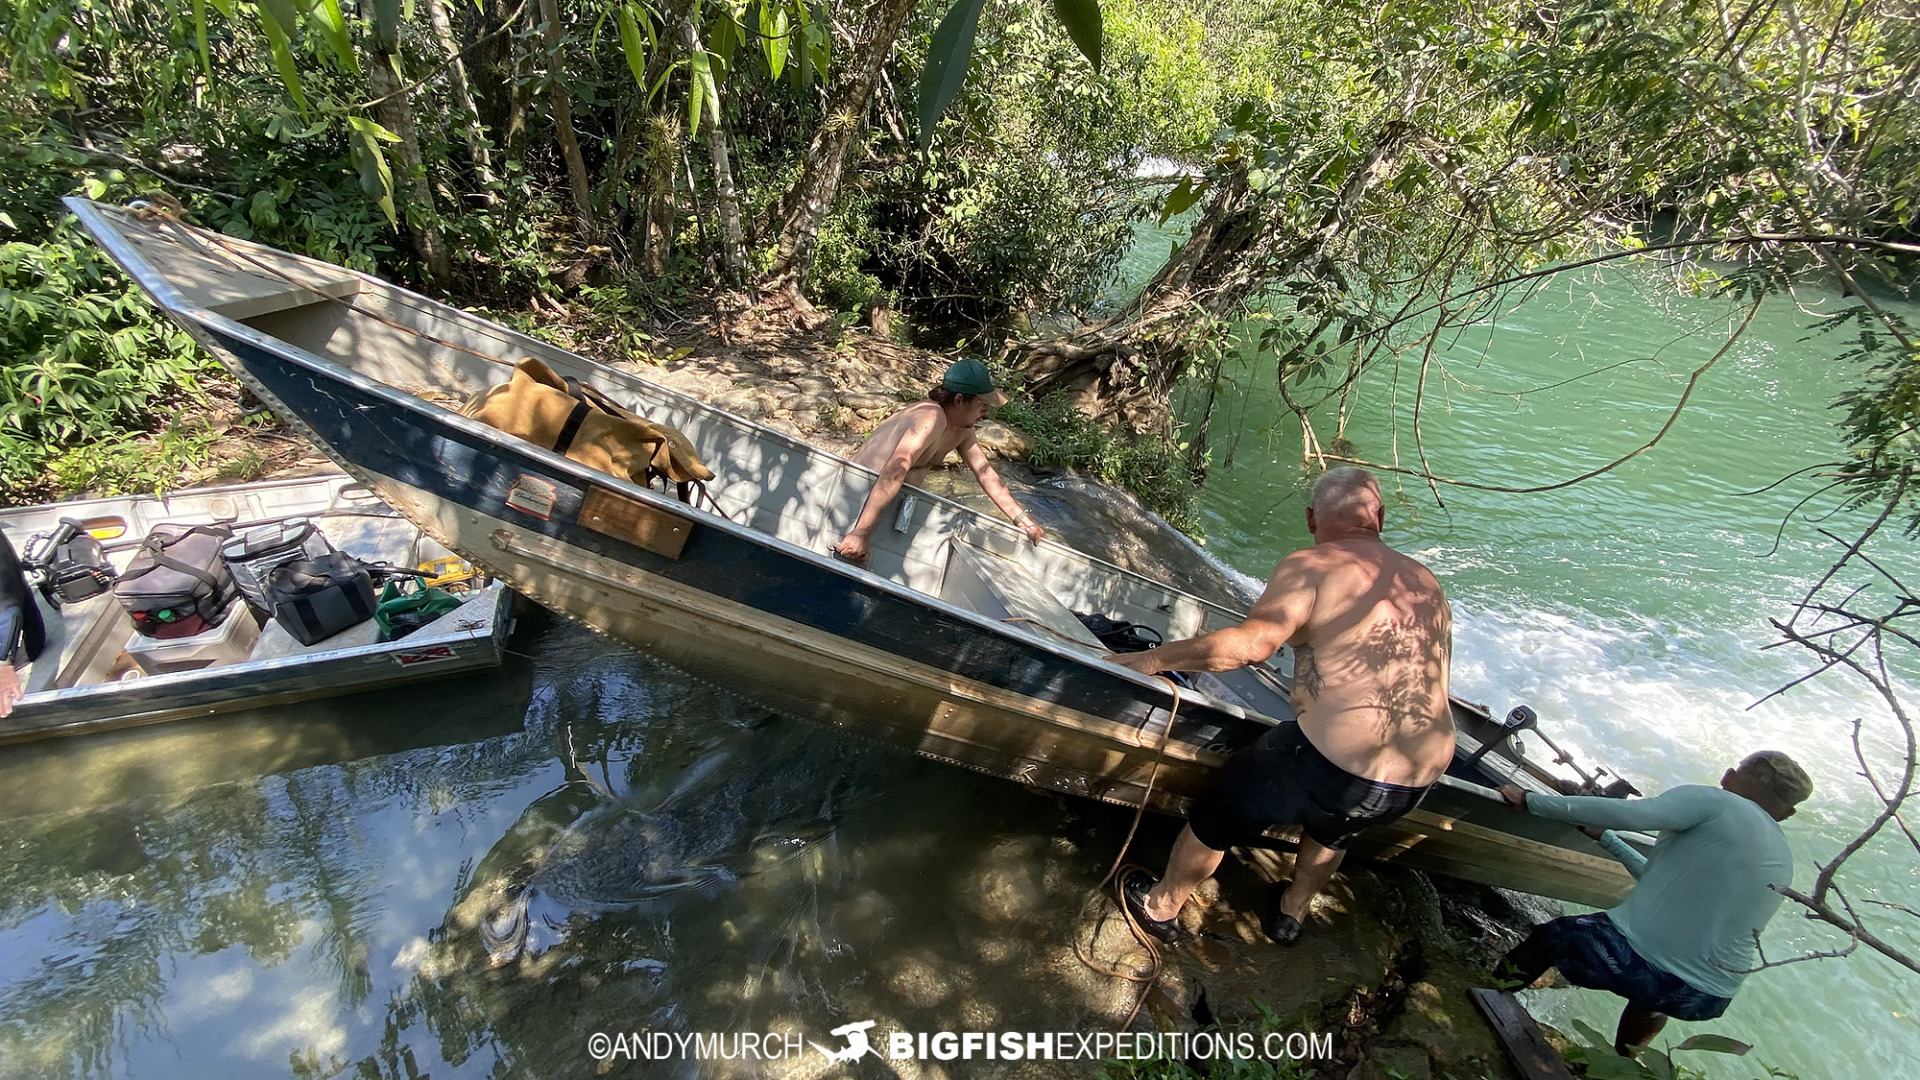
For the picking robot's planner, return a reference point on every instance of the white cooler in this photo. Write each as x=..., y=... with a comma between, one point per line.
x=230, y=642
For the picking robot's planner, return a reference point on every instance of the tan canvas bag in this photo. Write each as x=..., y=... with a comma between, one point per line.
x=572, y=418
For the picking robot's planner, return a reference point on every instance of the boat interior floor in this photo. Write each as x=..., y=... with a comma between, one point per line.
x=93, y=641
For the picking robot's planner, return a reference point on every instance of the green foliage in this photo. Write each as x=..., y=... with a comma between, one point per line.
x=303, y=213
x=840, y=278
x=1883, y=411
x=1025, y=197
x=615, y=315
x=949, y=52
x=88, y=360
x=1601, y=1063
x=1150, y=468
x=138, y=464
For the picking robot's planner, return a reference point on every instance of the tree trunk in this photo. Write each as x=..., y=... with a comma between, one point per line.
x=1124, y=370
x=657, y=183
x=561, y=106
x=519, y=100
x=412, y=194
x=468, y=116
x=733, y=254
x=496, y=60
x=813, y=194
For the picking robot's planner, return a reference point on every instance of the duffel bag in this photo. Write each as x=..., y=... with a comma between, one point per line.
x=314, y=599
x=177, y=585
x=253, y=554
x=572, y=418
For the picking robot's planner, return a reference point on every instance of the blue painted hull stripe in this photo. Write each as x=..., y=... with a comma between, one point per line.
x=450, y=464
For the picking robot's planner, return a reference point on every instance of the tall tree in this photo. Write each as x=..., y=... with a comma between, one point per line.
x=393, y=106
x=812, y=195
x=704, y=90
x=560, y=109
x=467, y=114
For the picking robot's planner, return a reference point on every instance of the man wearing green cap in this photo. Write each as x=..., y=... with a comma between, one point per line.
x=920, y=436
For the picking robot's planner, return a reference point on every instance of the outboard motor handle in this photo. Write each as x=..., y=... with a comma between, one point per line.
x=1520, y=719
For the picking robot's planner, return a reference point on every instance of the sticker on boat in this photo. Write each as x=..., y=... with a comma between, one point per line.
x=431, y=655
x=533, y=496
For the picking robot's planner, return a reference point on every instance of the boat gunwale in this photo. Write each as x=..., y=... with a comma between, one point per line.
x=174, y=301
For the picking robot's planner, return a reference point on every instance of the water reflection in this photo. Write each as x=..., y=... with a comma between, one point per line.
x=467, y=879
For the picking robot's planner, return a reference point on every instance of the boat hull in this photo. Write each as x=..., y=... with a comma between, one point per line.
x=790, y=628
x=802, y=671
x=472, y=638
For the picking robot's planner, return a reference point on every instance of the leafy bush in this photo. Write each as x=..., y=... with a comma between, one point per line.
x=89, y=359
x=138, y=464
x=848, y=239
x=304, y=213
x=1150, y=468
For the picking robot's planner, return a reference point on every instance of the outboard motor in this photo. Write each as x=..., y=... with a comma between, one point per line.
x=1523, y=718
x=1618, y=788
x=1520, y=719
x=69, y=564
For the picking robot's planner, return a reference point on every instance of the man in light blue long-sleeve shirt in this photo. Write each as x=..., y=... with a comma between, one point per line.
x=1682, y=941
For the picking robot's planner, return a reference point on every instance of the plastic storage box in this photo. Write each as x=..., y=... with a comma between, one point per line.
x=230, y=642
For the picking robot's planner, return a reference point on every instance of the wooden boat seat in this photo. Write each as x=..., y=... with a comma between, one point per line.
x=1000, y=588
x=218, y=281
x=251, y=296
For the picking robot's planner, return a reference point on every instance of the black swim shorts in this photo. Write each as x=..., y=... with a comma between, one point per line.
x=1591, y=952
x=1283, y=780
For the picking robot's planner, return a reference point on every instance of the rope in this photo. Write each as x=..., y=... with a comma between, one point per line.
x=236, y=256
x=223, y=249
x=1115, y=874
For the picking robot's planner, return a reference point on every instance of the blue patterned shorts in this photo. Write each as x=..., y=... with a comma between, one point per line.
x=1591, y=952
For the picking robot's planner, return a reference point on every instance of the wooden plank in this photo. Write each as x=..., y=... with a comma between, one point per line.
x=210, y=275
x=255, y=296
x=631, y=520
x=1429, y=840
x=1526, y=1044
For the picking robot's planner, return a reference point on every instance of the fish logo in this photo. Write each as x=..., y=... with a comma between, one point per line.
x=857, y=1046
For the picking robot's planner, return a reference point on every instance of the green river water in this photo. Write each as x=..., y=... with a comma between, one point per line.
x=1631, y=610
x=313, y=892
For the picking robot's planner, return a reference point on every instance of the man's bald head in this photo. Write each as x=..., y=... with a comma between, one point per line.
x=1346, y=497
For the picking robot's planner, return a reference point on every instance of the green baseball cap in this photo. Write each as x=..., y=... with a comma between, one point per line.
x=972, y=377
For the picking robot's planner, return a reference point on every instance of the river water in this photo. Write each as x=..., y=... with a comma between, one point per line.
x=319, y=891
x=1631, y=611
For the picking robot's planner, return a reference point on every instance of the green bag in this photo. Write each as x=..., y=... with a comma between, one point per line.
x=402, y=611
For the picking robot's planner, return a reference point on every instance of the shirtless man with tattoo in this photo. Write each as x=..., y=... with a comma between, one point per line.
x=1372, y=636
x=920, y=436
